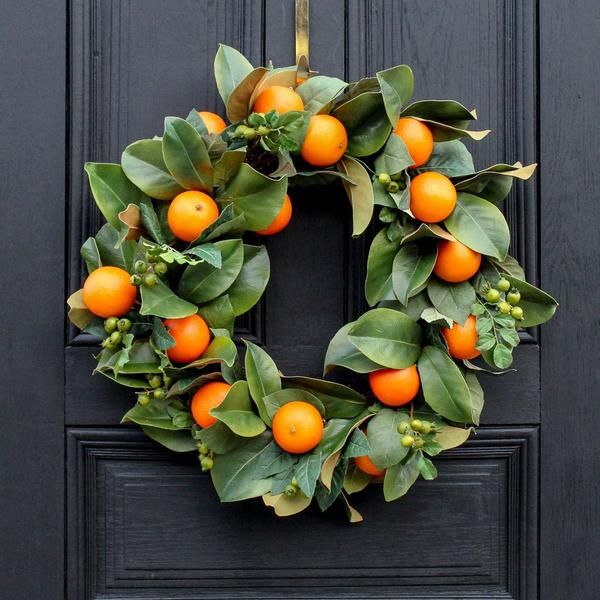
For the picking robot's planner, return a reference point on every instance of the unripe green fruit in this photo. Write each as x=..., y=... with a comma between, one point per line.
x=492, y=295
x=206, y=462
x=160, y=268
x=291, y=490
x=503, y=285
x=425, y=427
x=140, y=266
x=504, y=307
x=418, y=443
x=513, y=297
x=393, y=187
x=263, y=130
x=166, y=381
x=150, y=279
x=416, y=425
x=407, y=441
x=135, y=280
x=116, y=338
x=158, y=394
x=144, y=399
x=110, y=324
x=239, y=131
x=250, y=133
x=517, y=313
x=384, y=178
x=124, y=325
x=108, y=344
x=151, y=258
x=203, y=449
x=155, y=381
x=403, y=427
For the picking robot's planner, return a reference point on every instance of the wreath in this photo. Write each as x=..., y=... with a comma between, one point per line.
x=170, y=271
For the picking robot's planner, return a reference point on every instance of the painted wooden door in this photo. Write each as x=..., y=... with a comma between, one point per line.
x=91, y=509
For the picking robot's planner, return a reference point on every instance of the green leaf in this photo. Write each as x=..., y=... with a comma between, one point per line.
x=443, y=385
x=112, y=191
x=185, y=155
x=249, y=285
x=236, y=412
x=237, y=104
x=286, y=506
x=307, y=472
x=156, y=415
x=426, y=468
x=144, y=165
x=220, y=439
x=196, y=121
x=221, y=350
x=387, y=337
x=161, y=301
x=263, y=377
x=326, y=497
x=142, y=358
x=425, y=230
x=339, y=400
x=510, y=266
x=112, y=251
x=495, y=182
x=226, y=223
x=450, y=437
x=254, y=195
x=231, y=67
x=160, y=336
x=366, y=122
x=91, y=254
x=450, y=158
x=502, y=356
x=479, y=225
x=378, y=283
x=538, y=306
x=202, y=283
x=336, y=434
x=318, y=92
x=176, y=441
x=275, y=400
x=397, y=85
x=394, y=157
x=476, y=393
x=411, y=269
x=453, y=300
x=399, y=478
x=234, y=474
x=384, y=438
x=150, y=221
x=218, y=313
x=441, y=111
x=79, y=313
x=227, y=166
x=209, y=253
x=358, y=445
x=342, y=352
x=360, y=193
x=355, y=479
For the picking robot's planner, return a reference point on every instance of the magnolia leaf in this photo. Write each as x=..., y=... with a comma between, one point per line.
x=286, y=506
x=79, y=314
x=450, y=437
x=394, y=157
x=249, y=285
x=397, y=85
x=353, y=515
x=355, y=479
x=411, y=269
x=263, y=377
x=239, y=103
x=451, y=159
x=161, y=301
x=318, y=92
x=176, y=441
x=538, y=306
x=425, y=230
x=236, y=412
x=275, y=400
x=452, y=300
x=379, y=280
x=399, y=478
x=231, y=67
x=384, y=438
x=360, y=193
x=342, y=352
x=476, y=393
x=132, y=220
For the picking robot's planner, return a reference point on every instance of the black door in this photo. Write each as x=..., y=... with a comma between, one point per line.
x=513, y=513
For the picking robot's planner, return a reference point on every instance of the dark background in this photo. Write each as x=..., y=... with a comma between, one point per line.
x=90, y=509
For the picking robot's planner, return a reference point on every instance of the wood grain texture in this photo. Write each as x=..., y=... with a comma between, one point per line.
x=482, y=530
x=32, y=159
x=570, y=179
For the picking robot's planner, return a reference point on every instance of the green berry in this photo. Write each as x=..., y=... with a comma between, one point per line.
x=403, y=427
x=239, y=131
x=110, y=324
x=384, y=178
x=393, y=187
x=203, y=448
x=140, y=266
x=425, y=427
x=144, y=399
x=291, y=490
x=250, y=133
x=124, y=325
x=516, y=313
x=416, y=425
x=513, y=297
x=135, y=280
x=492, y=295
x=161, y=268
x=263, y=130
x=151, y=258
x=158, y=394
x=155, y=381
x=503, y=284
x=166, y=381
x=504, y=307
x=407, y=441
x=116, y=338
x=150, y=279
x=108, y=344
x=419, y=443
x=206, y=462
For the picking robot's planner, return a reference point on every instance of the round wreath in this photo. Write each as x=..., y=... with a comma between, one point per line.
x=170, y=263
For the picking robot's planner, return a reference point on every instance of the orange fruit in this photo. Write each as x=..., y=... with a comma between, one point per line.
x=417, y=138
x=280, y=222
x=432, y=197
x=366, y=465
x=325, y=142
x=279, y=98
x=214, y=123
x=297, y=427
x=207, y=397
x=190, y=213
x=107, y=292
x=461, y=339
x=395, y=387
x=191, y=335
x=456, y=262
